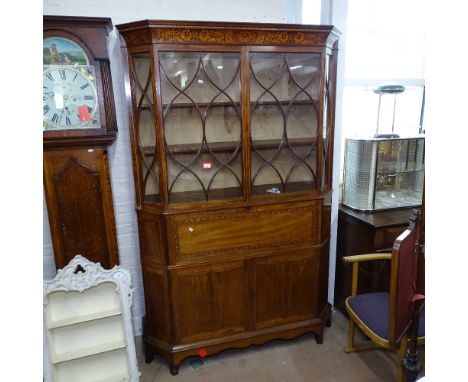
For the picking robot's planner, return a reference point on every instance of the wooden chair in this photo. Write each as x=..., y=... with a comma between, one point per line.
x=384, y=317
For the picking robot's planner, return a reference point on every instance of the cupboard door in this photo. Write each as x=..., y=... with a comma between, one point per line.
x=286, y=288
x=155, y=282
x=210, y=301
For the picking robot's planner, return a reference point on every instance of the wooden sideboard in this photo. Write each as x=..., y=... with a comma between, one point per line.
x=366, y=232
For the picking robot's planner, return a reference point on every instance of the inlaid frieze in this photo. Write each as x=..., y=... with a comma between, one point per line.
x=227, y=33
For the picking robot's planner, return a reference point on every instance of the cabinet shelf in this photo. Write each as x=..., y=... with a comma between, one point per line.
x=88, y=351
x=202, y=105
x=229, y=192
x=290, y=187
x=187, y=148
x=268, y=144
x=264, y=144
x=84, y=318
x=198, y=195
x=283, y=103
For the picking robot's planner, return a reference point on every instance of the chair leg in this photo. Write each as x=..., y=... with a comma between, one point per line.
x=351, y=330
x=401, y=355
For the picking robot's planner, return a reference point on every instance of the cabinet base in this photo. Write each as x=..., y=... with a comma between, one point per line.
x=176, y=354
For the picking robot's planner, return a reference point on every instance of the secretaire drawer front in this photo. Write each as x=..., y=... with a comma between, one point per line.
x=199, y=236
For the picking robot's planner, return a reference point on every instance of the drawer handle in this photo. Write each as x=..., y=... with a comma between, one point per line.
x=191, y=229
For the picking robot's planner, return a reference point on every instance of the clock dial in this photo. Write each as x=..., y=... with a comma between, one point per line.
x=70, y=97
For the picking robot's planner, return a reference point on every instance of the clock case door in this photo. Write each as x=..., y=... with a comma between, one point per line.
x=77, y=185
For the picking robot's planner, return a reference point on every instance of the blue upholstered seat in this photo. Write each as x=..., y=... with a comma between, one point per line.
x=373, y=310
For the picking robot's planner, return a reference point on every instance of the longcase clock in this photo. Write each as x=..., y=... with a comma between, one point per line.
x=78, y=125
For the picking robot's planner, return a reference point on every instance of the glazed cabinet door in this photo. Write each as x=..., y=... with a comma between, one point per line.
x=286, y=288
x=196, y=154
x=144, y=137
x=202, y=120
x=210, y=301
x=285, y=117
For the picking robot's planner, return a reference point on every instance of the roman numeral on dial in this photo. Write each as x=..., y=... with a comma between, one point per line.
x=84, y=86
x=46, y=109
x=63, y=75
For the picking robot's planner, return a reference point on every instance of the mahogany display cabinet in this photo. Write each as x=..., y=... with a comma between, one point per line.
x=232, y=144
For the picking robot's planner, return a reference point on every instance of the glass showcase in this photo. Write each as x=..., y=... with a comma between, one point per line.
x=383, y=173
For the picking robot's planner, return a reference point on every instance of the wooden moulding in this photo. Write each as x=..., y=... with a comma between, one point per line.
x=193, y=32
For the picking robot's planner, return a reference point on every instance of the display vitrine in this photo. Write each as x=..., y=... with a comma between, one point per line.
x=232, y=139
x=383, y=173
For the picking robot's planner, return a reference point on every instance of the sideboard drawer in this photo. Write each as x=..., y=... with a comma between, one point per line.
x=231, y=233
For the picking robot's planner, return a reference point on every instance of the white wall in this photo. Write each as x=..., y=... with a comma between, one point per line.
x=334, y=12
x=204, y=10
x=121, y=11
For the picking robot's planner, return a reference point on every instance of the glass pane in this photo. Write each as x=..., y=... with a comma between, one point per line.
x=140, y=78
x=202, y=124
x=284, y=98
x=400, y=173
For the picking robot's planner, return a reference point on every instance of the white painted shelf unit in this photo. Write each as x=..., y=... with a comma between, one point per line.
x=87, y=325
